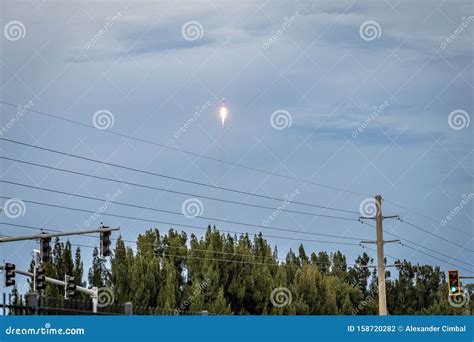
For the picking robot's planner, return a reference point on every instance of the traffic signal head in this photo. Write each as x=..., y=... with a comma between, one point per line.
x=454, y=284
x=45, y=249
x=105, y=243
x=9, y=274
x=70, y=287
x=40, y=278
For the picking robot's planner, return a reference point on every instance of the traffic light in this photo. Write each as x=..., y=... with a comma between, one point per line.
x=105, y=243
x=454, y=285
x=45, y=249
x=40, y=278
x=70, y=287
x=9, y=274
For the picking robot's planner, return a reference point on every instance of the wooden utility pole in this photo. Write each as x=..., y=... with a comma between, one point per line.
x=382, y=294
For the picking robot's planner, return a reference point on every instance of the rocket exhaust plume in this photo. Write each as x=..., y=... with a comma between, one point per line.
x=223, y=112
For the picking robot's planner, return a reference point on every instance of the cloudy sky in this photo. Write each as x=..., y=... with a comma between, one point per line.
x=362, y=97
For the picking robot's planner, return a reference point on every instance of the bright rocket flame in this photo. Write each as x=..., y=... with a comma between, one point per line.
x=223, y=114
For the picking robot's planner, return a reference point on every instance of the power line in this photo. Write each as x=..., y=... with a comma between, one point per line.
x=405, y=240
x=435, y=257
x=201, y=228
x=187, y=152
x=172, y=177
x=218, y=160
x=129, y=204
x=162, y=222
x=161, y=189
x=201, y=250
x=426, y=217
x=435, y=235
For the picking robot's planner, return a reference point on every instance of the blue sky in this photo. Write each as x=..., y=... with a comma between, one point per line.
x=311, y=59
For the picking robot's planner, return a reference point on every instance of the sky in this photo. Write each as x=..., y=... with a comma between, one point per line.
x=345, y=99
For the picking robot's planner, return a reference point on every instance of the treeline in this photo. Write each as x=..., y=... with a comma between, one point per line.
x=242, y=275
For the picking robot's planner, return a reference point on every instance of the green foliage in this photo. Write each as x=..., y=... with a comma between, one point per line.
x=227, y=274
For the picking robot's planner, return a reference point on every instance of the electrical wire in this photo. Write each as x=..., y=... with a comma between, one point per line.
x=162, y=222
x=172, y=177
x=108, y=131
